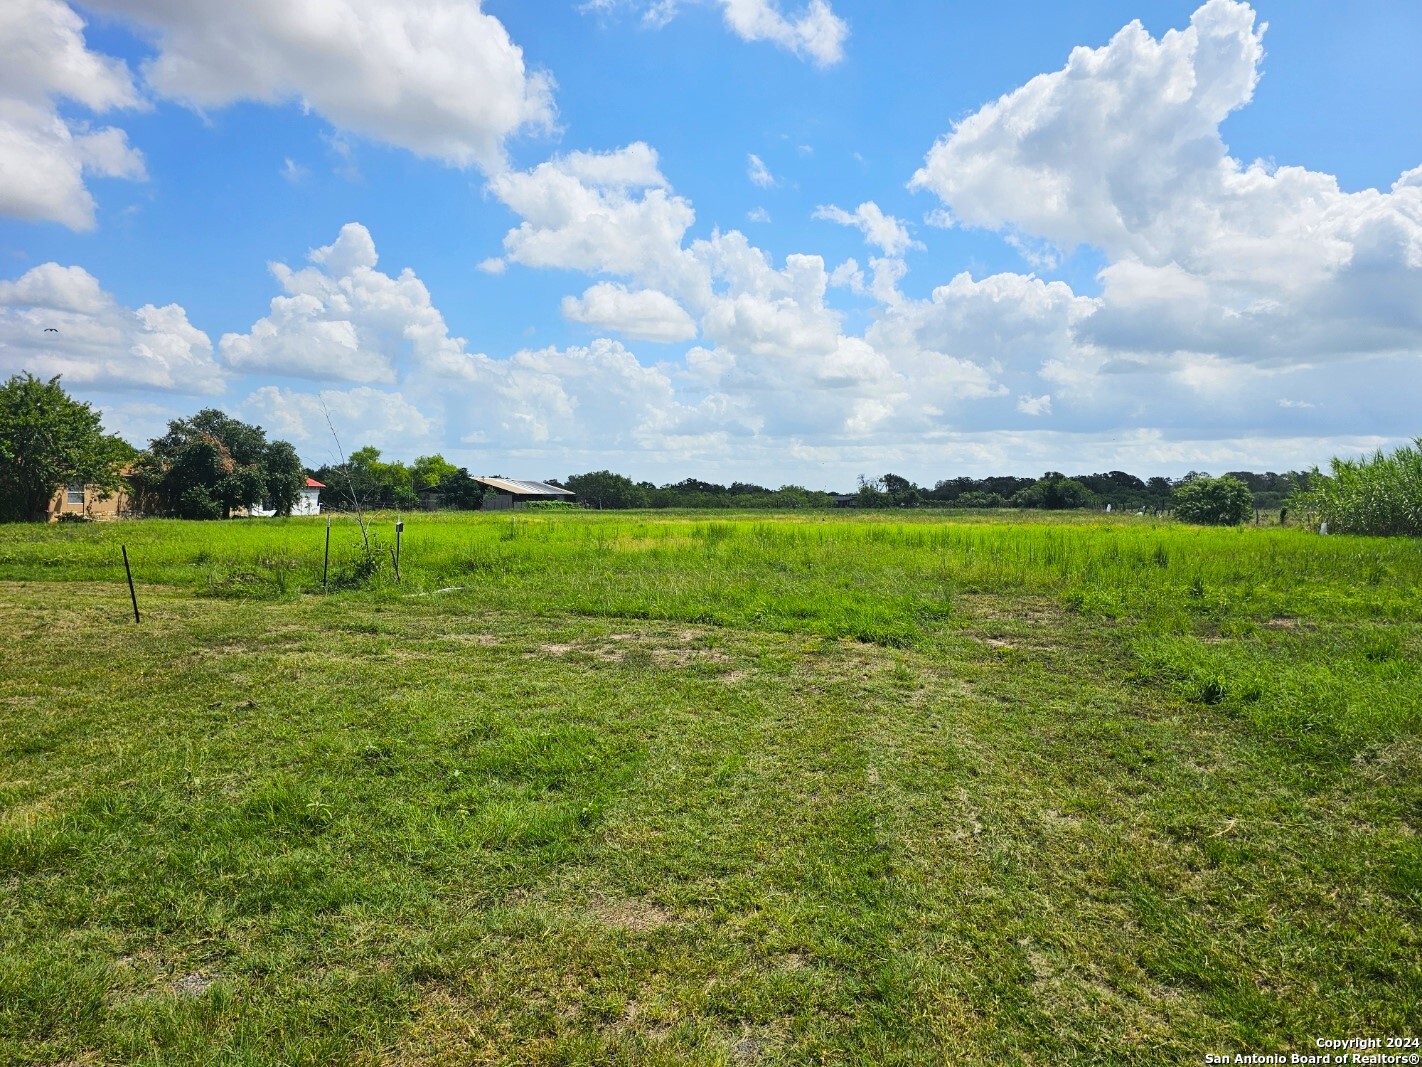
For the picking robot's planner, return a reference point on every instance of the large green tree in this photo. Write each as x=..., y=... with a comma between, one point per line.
x=604, y=489
x=367, y=481
x=206, y=466
x=427, y=472
x=48, y=439
x=461, y=491
x=1055, y=492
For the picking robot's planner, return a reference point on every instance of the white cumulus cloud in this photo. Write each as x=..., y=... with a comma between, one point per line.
x=596, y=395
x=1209, y=259
x=771, y=339
x=441, y=78
x=44, y=156
x=343, y=320
x=361, y=416
x=579, y=403
x=815, y=33
x=1215, y=301
x=59, y=320
x=1108, y=150
x=644, y=314
x=606, y=212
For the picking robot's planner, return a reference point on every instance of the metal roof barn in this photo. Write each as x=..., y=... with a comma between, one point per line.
x=514, y=493
x=521, y=488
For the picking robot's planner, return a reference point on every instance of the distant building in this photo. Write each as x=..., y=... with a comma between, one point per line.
x=309, y=502
x=513, y=495
x=91, y=502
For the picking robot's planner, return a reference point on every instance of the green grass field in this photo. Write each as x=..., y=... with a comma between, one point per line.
x=658, y=789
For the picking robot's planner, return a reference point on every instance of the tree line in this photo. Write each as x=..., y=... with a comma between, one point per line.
x=605, y=489
x=1053, y=491
x=211, y=465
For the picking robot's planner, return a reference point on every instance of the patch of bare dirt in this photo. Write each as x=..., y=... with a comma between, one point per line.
x=192, y=985
x=747, y=1049
x=28, y=816
x=635, y=1020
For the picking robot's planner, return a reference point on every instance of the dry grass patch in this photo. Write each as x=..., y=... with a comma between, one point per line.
x=637, y=916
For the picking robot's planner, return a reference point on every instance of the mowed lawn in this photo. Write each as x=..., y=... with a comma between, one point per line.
x=650, y=789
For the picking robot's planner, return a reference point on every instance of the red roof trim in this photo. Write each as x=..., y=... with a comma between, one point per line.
x=312, y=483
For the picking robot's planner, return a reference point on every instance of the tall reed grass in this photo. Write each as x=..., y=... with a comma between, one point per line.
x=1379, y=495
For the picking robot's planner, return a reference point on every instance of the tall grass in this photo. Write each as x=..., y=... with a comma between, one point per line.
x=883, y=579
x=1379, y=495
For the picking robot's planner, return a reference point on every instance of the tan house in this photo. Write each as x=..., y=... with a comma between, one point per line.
x=90, y=502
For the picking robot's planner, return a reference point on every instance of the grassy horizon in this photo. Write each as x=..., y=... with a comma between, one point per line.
x=651, y=789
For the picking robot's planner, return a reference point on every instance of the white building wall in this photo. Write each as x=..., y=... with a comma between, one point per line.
x=309, y=503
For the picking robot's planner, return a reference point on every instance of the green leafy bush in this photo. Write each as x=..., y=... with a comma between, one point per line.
x=1213, y=501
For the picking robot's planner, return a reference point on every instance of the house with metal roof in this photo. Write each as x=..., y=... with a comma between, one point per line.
x=512, y=494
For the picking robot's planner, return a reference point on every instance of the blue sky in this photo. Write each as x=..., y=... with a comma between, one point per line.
x=734, y=239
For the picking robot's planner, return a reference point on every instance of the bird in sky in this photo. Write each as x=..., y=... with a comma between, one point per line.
x=50, y=329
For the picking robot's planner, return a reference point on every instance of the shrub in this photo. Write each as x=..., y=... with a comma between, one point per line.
x=197, y=503
x=976, y=498
x=1213, y=501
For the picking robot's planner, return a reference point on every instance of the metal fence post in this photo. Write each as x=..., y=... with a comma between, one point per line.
x=131, y=594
